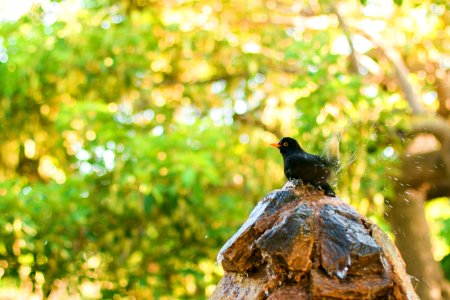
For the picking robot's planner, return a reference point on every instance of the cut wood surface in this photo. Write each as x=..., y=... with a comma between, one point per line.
x=300, y=244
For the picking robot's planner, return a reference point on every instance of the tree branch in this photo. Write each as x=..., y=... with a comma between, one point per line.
x=249, y=120
x=401, y=70
x=353, y=55
x=435, y=125
x=440, y=189
x=418, y=169
x=443, y=91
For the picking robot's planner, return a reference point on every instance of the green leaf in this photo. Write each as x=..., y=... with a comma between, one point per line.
x=149, y=202
x=188, y=178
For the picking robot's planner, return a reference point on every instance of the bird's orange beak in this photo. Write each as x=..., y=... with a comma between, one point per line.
x=276, y=145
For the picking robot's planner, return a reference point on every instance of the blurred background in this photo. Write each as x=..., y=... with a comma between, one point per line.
x=134, y=134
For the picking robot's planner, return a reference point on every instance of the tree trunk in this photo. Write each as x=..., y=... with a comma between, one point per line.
x=430, y=169
x=410, y=227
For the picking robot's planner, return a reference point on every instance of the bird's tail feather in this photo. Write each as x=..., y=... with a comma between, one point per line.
x=331, y=162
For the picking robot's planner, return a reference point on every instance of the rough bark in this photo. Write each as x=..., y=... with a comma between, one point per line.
x=300, y=244
x=407, y=216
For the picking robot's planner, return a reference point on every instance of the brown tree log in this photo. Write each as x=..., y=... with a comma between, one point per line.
x=300, y=244
x=424, y=176
x=407, y=216
x=427, y=174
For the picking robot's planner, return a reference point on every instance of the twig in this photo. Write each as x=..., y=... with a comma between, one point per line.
x=347, y=33
x=402, y=73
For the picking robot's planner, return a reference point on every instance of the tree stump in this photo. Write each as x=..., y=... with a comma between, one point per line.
x=300, y=244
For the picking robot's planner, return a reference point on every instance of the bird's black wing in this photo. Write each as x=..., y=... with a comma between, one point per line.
x=305, y=166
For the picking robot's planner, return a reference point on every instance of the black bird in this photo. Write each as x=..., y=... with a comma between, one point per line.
x=299, y=164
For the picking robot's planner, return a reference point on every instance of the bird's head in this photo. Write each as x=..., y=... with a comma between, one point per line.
x=287, y=145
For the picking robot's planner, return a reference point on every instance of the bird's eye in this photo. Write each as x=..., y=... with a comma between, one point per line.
x=285, y=144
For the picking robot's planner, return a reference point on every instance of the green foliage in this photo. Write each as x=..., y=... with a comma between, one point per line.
x=134, y=137
x=446, y=230
x=445, y=263
x=445, y=233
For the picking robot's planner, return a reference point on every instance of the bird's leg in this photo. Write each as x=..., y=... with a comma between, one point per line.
x=314, y=185
x=327, y=189
x=296, y=181
x=324, y=186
